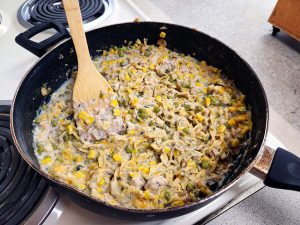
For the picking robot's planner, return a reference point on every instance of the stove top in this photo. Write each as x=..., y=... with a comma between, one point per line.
x=22, y=190
x=33, y=12
x=52, y=209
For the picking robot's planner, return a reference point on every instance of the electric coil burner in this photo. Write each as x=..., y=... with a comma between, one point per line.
x=34, y=12
x=21, y=188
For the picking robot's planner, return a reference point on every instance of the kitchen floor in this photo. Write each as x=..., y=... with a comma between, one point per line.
x=243, y=26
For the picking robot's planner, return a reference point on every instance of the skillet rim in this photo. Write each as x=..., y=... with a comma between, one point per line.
x=143, y=211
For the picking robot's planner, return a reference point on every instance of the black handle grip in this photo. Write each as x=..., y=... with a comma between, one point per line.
x=284, y=172
x=40, y=48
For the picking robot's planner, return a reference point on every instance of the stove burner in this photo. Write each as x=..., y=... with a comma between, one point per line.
x=34, y=12
x=20, y=186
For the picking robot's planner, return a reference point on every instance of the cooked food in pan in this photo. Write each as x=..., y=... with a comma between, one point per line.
x=166, y=137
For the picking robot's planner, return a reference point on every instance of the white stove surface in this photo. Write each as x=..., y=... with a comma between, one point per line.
x=15, y=61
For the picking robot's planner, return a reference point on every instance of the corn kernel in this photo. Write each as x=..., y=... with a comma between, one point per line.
x=79, y=174
x=131, y=132
x=207, y=101
x=93, y=166
x=132, y=174
x=180, y=128
x=117, y=157
x=176, y=153
x=166, y=149
x=127, y=77
x=152, y=67
x=162, y=34
x=204, y=90
x=69, y=180
x=245, y=129
x=78, y=158
x=199, y=117
x=158, y=98
x=134, y=102
x=114, y=103
x=117, y=112
x=69, y=129
x=99, y=190
x=81, y=186
x=46, y=160
x=221, y=90
x=58, y=168
x=178, y=203
x=141, y=167
x=67, y=154
x=101, y=182
x=232, y=109
x=146, y=170
x=152, y=163
x=240, y=118
x=147, y=194
x=231, y=122
x=198, y=84
x=191, y=164
x=203, y=63
x=191, y=75
x=82, y=115
x=144, y=69
x=222, y=128
x=201, y=72
x=89, y=120
x=205, y=190
x=91, y=154
x=235, y=143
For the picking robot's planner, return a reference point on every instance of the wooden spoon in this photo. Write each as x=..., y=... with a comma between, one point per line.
x=89, y=82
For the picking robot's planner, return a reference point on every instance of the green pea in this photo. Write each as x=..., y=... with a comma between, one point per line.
x=151, y=123
x=37, y=121
x=190, y=187
x=66, y=138
x=187, y=85
x=167, y=195
x=156, y=109
x=187, y=107
x=128, y=149
x=121, y=54
x=44, y=106
x=53, y=123
x=40, y=148
x=186, y=130
x=205, y=165
x=142, y=114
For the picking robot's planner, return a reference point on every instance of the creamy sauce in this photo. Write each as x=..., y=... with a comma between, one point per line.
x=166, y=137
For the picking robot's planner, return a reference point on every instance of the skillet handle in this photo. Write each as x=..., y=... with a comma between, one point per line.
x=284, y=172
x=40, y=48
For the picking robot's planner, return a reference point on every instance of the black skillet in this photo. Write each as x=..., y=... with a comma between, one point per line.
x=57, y=65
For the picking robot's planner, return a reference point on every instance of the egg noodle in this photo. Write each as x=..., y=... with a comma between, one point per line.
x=165, y=138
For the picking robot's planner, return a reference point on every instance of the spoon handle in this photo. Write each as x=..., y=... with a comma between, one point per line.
x=74, y=18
